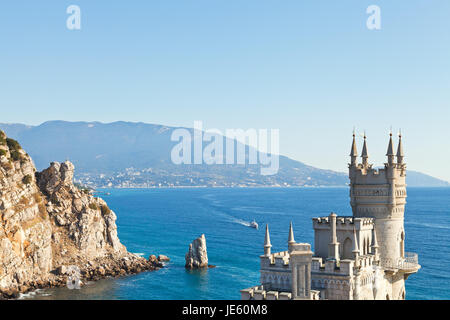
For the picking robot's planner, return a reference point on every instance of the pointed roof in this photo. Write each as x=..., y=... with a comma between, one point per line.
x=291, y=234
x=354, y=151
x=400, y=146
x=374, y=239
x=390, y=150
x=355, y=242
x=267, y=237
x=364, y=153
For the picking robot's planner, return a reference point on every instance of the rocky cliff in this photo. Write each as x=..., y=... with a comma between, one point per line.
x=47, y=224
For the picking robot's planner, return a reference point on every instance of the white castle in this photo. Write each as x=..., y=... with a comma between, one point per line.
x=356, y=257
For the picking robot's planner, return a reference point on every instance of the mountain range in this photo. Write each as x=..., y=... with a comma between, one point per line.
x=128, y=154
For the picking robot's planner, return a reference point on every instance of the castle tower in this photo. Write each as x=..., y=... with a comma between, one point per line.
x=381, y=194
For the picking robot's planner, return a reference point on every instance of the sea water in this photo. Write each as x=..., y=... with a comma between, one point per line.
x=165, y=221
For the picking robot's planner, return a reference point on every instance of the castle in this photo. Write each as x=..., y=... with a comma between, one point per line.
x=356, y=257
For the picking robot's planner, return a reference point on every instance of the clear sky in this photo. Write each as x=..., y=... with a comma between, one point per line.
x=307, y=67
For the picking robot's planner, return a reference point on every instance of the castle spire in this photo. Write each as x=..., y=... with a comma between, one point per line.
x=365, y=154
x=400, y=154
x=291, y=235
x=291, y=241
x=267, y=244
x=355, y=245
x=374, y=244
x=390, y=151
x=354, y=151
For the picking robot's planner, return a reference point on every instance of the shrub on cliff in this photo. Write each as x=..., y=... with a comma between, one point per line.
x=93, y=206
x=3, y=152
x=13, y=144
x=105, y=210
x=15, y=155
x=27, y=179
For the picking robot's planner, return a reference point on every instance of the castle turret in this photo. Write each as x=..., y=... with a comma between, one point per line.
x=390, y=151
x=300, y=262
x=333, y=246
x=400, y=154
x=374, y=246
x=355, y=249
x=267, y=244
x=291, y=240
x=365, y=153
x=353, y=152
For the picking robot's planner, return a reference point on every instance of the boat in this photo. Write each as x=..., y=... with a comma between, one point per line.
x=253, y=224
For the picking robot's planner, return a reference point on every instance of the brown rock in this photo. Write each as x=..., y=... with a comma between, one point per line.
x=69, y=228
x=163, y=258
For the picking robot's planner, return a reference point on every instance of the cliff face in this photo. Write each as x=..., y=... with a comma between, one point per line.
x=46, y=224
x=82, y=223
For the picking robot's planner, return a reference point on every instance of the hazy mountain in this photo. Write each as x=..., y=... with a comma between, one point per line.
x=417, y=179
x=125, y=154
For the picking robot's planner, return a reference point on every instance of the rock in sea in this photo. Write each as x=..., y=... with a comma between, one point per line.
x=197, y=256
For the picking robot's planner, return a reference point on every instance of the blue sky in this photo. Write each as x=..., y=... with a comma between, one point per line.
x=309, y=68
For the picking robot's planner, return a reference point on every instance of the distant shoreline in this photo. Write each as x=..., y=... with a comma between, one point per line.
x=248, y=187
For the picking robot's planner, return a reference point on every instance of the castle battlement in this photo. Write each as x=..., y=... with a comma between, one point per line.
x=355, y=257
x=343, y=222
x=331, y=267
x=275, y=260
x=264, y=293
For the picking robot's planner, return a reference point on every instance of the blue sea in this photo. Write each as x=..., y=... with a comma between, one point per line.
x=165, y=221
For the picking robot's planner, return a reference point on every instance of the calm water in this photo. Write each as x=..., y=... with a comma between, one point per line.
x=165, y=221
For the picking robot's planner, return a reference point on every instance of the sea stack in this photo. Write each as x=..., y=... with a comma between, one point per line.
x=197, y=256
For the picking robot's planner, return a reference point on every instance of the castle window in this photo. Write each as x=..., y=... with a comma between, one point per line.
x=402, y=245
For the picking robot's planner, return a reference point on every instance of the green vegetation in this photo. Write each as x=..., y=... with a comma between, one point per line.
x=105, y=210
x=13, y=144
x=14, y=149
x=3, y=152
x=27, y=179
x=93, y=206
x=15, y=155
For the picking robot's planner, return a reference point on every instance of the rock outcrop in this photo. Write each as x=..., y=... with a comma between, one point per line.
x=197, y=256
x=48, y=224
